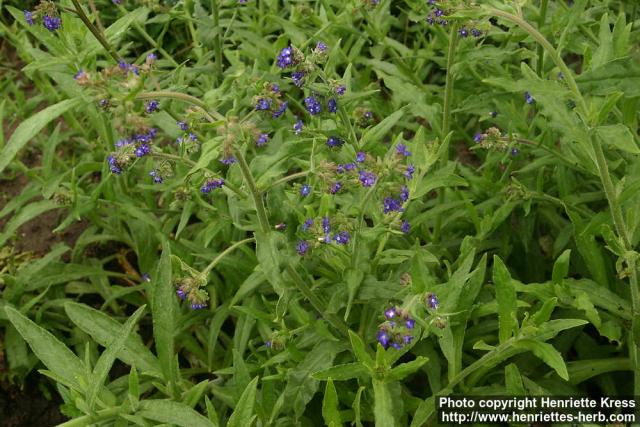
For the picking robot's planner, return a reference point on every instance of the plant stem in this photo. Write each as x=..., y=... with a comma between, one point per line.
x=315, y=301
x=95, y=31
x=217, y=41
x=542, y=18
x=263, y=220
x=446, y=116
x=289, y=178
x=86, y=420
x=217, y=259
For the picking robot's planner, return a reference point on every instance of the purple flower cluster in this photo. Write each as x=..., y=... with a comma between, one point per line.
x=332, y=105
x=285, y=58
x=262, y=139
x=432, y=302
x=312, y=105
x=391, y=204
x=334, y=141
x=51, y=23
x=396, y=331
x=151, y=106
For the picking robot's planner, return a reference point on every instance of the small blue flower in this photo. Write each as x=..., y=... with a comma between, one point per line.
x=432, y=302
x=181, y=294
x=302, y=247
x=405, y=227
x=183, y=126
x=268, y=344
x=142, y=150
x=476, y=32
x=157, y=178
x=477, y=137
x=51, y=23
x=211, y=185
x=307, y=224
x=305, y=190
x=404, y=193
x=390, y=313
x=228, y=160
x=335, y=187
x=123, y=65
x=28, y=16
x=340, y=169
x=282, y=107
x=326, y=224
x=463, y=32
x=367, y=179
x=341, y=90
x=332, y=105
x=528, y=98
x=198, y=306
x=151, y=58
x=493, y=114
x=334, y=141
x=285, y=57
x=151, y=106
x=401, y=149
x=275, y=88
x=298, y=78
x=321, y=47
x=383, y=338
x=262, y=139
x=342, y=238
x=312, y=105
x=410, y=323
x=408, y=174
x=263, y=104
x=515, y=151
x=361, y=156
x=114, y=166
x=193, y=137
x=297, y=126
x=406, y=339
x=439, y=12
x=391, y=205
x=146, y=277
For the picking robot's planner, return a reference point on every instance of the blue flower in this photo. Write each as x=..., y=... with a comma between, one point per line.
x=391, y=205
x=306, y=225
x=383, y=338
x=349, y=166
x=334, y=141
x=228, y=160
x=282, y=107
x=321, y=47
x=361, y=156
x=302, y=247
x=332, y=105
x=151, y=58
x=275, y=88
x=463, y=32
x=528, y=98
x=181, y=294
x=493, y=114
x=28, y=16
x=406, y=339
x=157, y=178
x=142, y=150
x=405, y=227
x=298, y=78
x=305, y=190
x=390, y=313
x=477, y=137
x=515, y=151
x=312, y=105
x=51, y=23
x=342, y=238
x=432, y=302
x=401, y=149
x=410, y=323
x=151, y=106
x=409, y=172
x=114, y=166
x=335, y=187
x=285, y=57
x=297, y=126
x=367, y=179
x=198, y=305
x=340, y=169
x=341, y=90
x=326, y=224
x=211, y=185
x=262, y=139
x=404, y=193
x=183, y=126
x=476, y=32
x=263, y=104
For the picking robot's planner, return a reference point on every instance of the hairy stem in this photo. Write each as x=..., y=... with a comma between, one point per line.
x=217, y=40
x=224, y=253
x=95, y=31
x=263, y=220
x=542, y=18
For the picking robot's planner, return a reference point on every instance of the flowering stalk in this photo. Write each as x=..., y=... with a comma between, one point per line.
x=222, y=254
x=95, y=31
x=211, y=116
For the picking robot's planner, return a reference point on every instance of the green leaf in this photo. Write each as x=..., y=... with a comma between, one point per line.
x=242, y=415
x=561, y=267
x=163, y=310
x=168, y=411
x=30, y=128
x=269, y=251
x=52, y=353
x=103, y=366
x=547, y=353
x=359, y=350
x=103, y=330
x=618, y=136
x=330, y=406
x=383, y=405
x=604, y=52
x=376, y=133
x=405, y=369
x=513, y=380
x=582, y=370
x=506, y=297
x=342, y=372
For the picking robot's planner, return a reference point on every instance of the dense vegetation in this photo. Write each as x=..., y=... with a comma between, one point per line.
x=316, y=212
